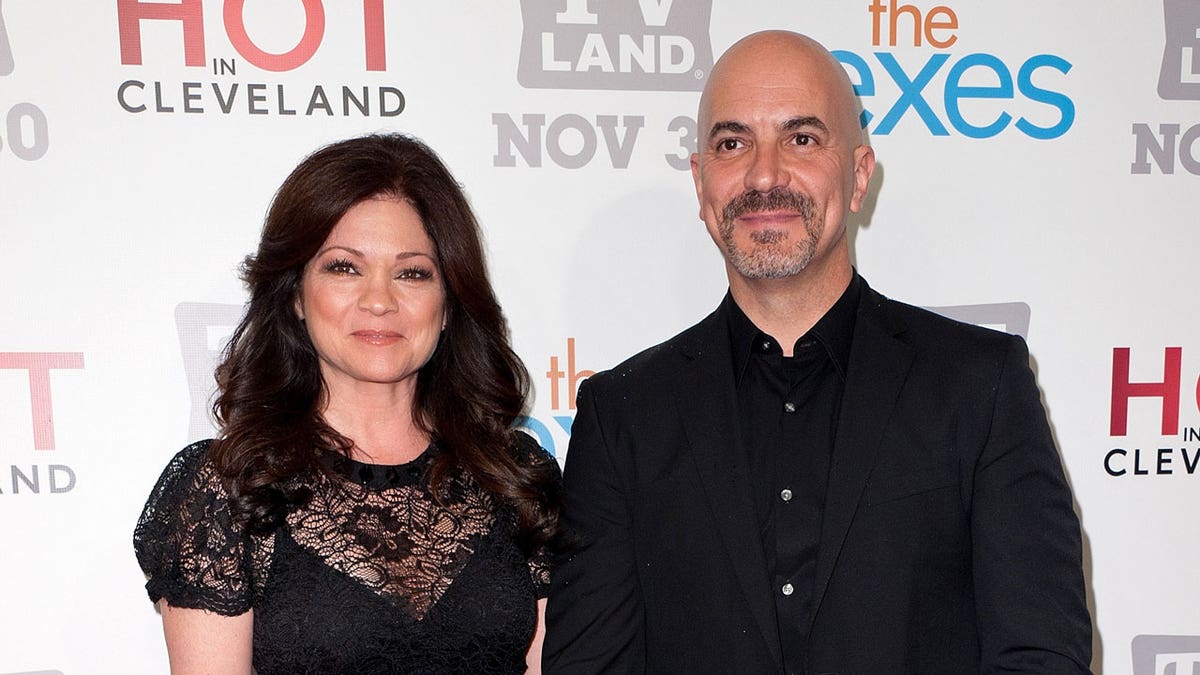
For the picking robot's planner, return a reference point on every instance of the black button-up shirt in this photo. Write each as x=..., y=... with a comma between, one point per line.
x=788, y=408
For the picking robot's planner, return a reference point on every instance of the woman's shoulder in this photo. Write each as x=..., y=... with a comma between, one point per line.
x=191, y=468
x=528, y=452
x=186, y=533
x=188, y=493
x=193, y=455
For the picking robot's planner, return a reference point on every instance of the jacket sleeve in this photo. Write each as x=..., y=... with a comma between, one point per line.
x=594, y=619
x=1032, y=611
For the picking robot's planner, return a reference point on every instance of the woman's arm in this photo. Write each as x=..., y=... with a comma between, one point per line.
x=533, y=658
x=205, y=643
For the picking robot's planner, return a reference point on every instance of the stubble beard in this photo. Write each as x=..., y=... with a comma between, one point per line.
x=774, y=254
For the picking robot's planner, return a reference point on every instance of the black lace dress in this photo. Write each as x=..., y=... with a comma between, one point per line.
x=371, y=576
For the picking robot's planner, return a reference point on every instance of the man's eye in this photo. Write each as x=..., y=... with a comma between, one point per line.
x=728, y=144
x=804, y=139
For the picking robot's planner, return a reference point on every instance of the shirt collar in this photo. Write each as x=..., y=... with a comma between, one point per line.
x=834, y=330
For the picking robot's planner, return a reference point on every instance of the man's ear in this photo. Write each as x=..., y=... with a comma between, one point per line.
x=864, y=166
x=695, y=162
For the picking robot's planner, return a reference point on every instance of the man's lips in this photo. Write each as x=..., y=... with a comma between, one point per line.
x=377, y=337
x=767, y=217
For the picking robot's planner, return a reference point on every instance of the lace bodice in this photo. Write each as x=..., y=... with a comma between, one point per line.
x=372, y=575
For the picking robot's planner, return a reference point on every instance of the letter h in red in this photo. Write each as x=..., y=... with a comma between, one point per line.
x=130, y=14
x=1167, y=390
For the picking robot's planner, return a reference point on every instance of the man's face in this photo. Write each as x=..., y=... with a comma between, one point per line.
x=780, y=162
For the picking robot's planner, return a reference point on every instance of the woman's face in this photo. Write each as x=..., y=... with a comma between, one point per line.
x=372, y=297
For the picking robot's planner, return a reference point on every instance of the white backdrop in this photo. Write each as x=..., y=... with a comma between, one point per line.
x=1038, y=171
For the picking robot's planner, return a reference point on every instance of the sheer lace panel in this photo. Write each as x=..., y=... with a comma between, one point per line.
x=397, y=542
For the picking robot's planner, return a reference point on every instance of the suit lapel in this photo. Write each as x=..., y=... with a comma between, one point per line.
x=878, y=367
x=708, y=405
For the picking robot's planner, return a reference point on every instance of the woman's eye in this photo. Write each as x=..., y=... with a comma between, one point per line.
x=415, y=273
x=340, y=266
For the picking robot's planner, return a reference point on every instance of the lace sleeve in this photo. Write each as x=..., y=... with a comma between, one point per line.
x=539, y=571
x=186, y=542
x=529, y=452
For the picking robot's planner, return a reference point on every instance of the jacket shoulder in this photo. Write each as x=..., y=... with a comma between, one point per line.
x=951, y=355
x=662, y=362
x=926, y=329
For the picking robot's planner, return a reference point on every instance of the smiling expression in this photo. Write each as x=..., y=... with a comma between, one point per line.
x=372, y=298
x=781, y=161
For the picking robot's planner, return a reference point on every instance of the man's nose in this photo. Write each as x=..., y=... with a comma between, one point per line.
x=766, y=171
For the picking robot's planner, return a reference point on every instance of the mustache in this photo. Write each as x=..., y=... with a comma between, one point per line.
x=778, y=199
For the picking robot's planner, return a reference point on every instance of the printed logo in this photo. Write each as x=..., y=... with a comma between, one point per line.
x=1166, y=654
x=245, y=36
x=633, y=45
x=1008, y=317
x=38, y=366
x=203, y=328
x=981, y=96
x=1178, y=80
x=6, y=57
x=24, y=126
x=566, y=45
x=553, y=432
x=1166, y=456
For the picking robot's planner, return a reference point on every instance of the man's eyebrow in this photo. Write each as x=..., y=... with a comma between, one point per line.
x=805, y=121
x=808, y=121
x=728, y=126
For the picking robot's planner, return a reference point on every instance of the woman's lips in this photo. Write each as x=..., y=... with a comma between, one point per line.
x=377, y=337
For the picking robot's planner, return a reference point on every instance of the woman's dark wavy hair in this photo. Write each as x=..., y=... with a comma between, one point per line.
x=467, y=396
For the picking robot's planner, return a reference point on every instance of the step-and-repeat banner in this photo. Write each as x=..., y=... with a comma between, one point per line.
x=1039, y=172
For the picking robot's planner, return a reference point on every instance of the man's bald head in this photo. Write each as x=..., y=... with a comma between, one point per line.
x=777, y=58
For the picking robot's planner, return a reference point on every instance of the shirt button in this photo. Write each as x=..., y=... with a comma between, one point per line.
x=785, y=495
x=789, y=407
x=787, y=589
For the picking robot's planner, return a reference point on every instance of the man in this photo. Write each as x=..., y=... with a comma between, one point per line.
x=815, y=478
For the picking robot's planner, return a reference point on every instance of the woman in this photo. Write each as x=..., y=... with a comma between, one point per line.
x=367, y=506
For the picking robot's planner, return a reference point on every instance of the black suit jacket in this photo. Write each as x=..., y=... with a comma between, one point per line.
x=948, y=543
